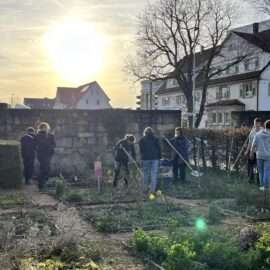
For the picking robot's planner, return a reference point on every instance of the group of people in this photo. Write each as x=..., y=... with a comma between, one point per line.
x=38, y=145
x=150, y=155
x=258, y=153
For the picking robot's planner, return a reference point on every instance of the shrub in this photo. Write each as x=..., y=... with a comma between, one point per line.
x=59, y=188
x=180, y=257
x=11, y=169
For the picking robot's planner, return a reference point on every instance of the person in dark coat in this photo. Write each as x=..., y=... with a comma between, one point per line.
x=180, y=143
x=28, y=147
x=122, y=159
x=45, y=144
x=150, y=151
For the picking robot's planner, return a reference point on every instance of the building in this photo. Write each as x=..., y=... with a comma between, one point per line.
x=148, y=98
x=243, y=87
x=85, y=97
x=39, y=103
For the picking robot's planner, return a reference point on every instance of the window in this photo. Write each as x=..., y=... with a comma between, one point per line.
x=98, y=102
x=219, y=117
x=86, y=101
x=223, y=92
x=166, y=101
x=269, y=89
x=226, y=92
x=180, y=100
x=213, y=118
x=252, y=64
x=248, y=89
x=219, y=93
x=227, y=117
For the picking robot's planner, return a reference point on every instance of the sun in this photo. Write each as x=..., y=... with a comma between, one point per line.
x=75, y=50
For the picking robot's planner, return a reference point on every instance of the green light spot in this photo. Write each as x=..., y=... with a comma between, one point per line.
x=200, y=224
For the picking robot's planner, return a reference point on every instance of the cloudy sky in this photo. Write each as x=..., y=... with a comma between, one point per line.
x=31, y=65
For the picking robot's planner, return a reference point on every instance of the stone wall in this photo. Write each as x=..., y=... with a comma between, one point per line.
x=81, y=135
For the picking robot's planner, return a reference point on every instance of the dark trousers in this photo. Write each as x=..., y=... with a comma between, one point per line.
x=118, y=166
x=44, y=171
x=252, y=164
x=28, y=168
x=179, y=168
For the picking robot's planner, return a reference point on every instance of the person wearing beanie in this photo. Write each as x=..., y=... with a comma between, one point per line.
x=150, y=151
x=261, y=146
x=28, y=147
x=121, y=158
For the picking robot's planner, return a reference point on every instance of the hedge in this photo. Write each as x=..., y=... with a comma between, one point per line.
x=10, y=165
x=216, y=148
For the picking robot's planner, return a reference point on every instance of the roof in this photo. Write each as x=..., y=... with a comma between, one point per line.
x=70, y=96
x=260, y=39
x=237, y=78
x=39, y=103
x=223, y=80
x=228, y=102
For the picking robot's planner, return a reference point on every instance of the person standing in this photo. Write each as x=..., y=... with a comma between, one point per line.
x=45, y=144
x=261, y=146
x=122, y=150
x=28, y=147
x=150, y=151
x=252, y=162
x=180, y=143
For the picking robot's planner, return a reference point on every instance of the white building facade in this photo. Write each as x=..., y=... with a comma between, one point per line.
x=86, y=97
x=243, y=87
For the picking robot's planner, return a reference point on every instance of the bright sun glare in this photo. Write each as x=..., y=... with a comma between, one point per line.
x=76, y=50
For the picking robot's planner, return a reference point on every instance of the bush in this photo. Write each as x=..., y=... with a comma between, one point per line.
x=11, y=169
x=214, y=214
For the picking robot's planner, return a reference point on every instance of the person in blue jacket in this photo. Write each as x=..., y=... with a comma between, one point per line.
x=180, y=143
x=28, y=148
x=150, y=151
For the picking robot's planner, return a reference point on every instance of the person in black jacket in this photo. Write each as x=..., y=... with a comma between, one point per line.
x=180, y=143
x=150, y=154
x=45, y=144
x=28, y=147
x=121, y=157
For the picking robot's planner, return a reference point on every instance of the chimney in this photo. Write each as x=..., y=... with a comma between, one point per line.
x=256, y=28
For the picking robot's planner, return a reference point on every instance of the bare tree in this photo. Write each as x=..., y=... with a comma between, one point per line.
x=262, y=5
x=170, y=33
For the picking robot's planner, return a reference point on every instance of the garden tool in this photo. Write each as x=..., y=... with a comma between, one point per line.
x=240, y=154
x=132, y=159
x=194, y=173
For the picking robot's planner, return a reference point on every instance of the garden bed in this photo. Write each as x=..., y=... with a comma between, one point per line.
x=148, y=215
x=11, y=199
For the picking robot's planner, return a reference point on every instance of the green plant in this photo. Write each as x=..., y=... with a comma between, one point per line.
x=214, y=214
x=59, y=188
x=74, y=197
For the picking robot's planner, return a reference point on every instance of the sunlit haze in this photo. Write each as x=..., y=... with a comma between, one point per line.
x=50, y=43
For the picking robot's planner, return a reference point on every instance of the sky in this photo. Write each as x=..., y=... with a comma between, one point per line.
x=38, y=38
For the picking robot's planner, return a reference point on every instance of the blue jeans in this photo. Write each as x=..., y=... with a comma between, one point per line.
x=150, y=168
x=264, y=171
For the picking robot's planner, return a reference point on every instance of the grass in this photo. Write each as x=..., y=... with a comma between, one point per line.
x=10, y=199
x=212, y=185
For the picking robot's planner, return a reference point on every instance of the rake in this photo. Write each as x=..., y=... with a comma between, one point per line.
x=193, y=172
